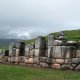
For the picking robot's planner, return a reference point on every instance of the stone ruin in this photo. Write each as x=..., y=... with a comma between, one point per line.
x=56, y=53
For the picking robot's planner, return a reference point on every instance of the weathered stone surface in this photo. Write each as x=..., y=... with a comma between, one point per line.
x=74, y=65
x=36, y=60
x=13, y=52
x=56, y=66
x=50, y=40
x=9, y=59
x=6, y=58
x=40, y=43
x=77, y=53
x=40, y=53
x=17, y=60
x=26, y=61
x=60, y=61
x=51, y=52
x=17, y=52
x=46, y=53
x=10, y=49
x=53, y=61
x=21, y=59
x=71, y=43
x=58, y=53
x=68, y=51
x=67, y=66
x=30, y=61
x=49, y=60
x=12, y=59
x=17, y=45
x=58, y=43
x=44, y=65
x=32, y=52
x=78, y=68
x=43, y=59
x=76, y=60
x=68, y=61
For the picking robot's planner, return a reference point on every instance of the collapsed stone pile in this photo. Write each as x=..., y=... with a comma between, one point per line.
x=57, y=53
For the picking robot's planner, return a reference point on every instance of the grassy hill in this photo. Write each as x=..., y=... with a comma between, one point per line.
x=70, y=34
x=10, y=72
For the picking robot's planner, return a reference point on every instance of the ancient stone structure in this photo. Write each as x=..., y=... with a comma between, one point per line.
x=57, y=53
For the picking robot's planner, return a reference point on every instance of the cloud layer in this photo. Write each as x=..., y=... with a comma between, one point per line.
x=25, y=19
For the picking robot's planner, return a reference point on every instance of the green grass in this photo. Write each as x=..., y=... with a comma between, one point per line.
x=70, y=34
x=9, y=72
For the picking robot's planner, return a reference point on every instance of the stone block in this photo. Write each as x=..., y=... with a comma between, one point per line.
x=21, y=59
x=13, y=52
x=58, y=53
x=51, y=51
x=17, y=52
x=32, y=52
x=12, y=59
x=10, y=48
x=36, y=60
x=26, y=61
x=40, y=43
x=53, y=61
x=39, y=53
x=56, y=66
x=43, y=59
x=77, y=68
x=6, y=58
x=60, y=61
x=77, y=53
x=68, y=61
x=49, y=60
x=58, y=43
x=67, y=66
x=9, y=59
x=30, y=61
x=75, y=60
x=71, y=43
x=44, y=65
x=17, y=45
x=68, y=52
x=46, y=53
x=50, y=40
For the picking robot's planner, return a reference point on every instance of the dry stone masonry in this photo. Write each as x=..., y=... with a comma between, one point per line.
x=56, y=53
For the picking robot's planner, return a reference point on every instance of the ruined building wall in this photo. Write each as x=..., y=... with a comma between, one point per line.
x=57, y=53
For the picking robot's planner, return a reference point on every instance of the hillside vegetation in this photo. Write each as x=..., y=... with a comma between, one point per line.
x=70, y=34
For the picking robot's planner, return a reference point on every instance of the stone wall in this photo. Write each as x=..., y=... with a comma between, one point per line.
x=57, y=53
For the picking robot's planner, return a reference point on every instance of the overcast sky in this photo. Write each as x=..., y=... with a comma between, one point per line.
x=26, y=19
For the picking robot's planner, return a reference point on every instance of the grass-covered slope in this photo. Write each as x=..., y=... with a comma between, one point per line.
x=8, y=72
x=70, y=34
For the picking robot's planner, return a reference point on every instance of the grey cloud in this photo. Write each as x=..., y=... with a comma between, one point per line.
x=27, y=19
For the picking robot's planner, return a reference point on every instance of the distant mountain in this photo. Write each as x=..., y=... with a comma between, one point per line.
x=4, y=43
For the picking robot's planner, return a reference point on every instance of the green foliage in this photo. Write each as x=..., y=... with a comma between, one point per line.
x=70, y=34
x=9, y=72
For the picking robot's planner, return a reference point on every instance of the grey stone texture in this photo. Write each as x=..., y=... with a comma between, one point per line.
x=40, y=43
x=51, y=39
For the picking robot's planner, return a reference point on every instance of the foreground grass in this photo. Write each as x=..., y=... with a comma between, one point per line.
x=9, y=72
